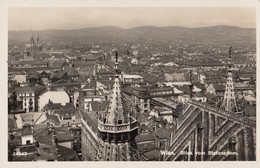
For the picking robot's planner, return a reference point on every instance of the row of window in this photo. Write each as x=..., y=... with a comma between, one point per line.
x=30, y=100
x=134, y=80
x=161, y=93
x=30, y=104
x=26, y=94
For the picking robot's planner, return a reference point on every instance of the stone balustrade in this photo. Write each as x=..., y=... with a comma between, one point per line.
x=119, y=128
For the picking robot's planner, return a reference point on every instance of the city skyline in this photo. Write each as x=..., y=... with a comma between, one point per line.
x=131, y=84
x=126, y=17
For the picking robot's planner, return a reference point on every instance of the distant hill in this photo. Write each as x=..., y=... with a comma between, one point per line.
x=146, y=32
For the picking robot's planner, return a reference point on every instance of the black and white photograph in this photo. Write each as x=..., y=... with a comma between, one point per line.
x=131, y=84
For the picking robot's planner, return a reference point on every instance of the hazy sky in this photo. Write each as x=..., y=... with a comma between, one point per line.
x=73, y=18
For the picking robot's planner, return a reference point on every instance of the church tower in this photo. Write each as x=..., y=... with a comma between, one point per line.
x=38, y=43
x=117, y=127
x=32, y=43
x=37, y=38
x=229, y=102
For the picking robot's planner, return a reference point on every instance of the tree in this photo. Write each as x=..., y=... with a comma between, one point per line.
x=37, y=144
x=251, y=80
x=11, y=147
x=12, y=102
x=236, y=76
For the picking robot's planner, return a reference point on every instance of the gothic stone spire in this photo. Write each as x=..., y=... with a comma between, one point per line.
x=116, y=113
x=229, y=102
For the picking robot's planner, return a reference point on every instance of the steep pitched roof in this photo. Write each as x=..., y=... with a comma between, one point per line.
x=218, y=87
x=71, y=71
x=58, y=75
x=92, y=120
x=185, y=89
x=68, y=106
x=64, y=137
x=107, y=83
x=57, y=64
x=11, y=122
x=145, y=137
x=67, y=154
x=90, y=85
x=200, y=86
x=250, y=110
x=32, y=117
x=27, y=130
x=65, y=112
x=247, y=76
x=30, y=89
x=97, y=106
x=33, y=75
x=84, y=64
x=54, y=119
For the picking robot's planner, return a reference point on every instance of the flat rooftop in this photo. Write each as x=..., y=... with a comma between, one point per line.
x=131, y=76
